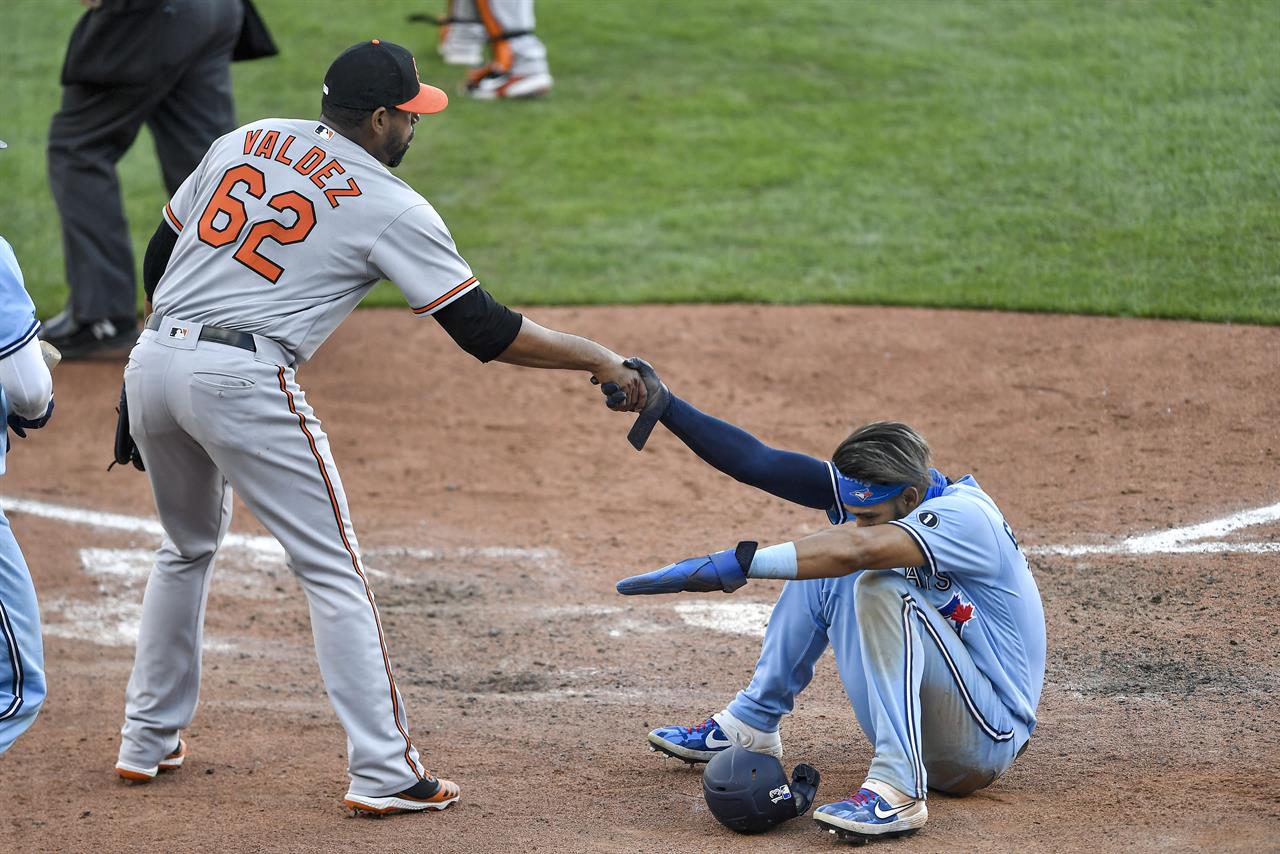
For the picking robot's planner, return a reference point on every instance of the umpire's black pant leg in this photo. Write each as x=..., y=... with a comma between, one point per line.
x=198, y=107
x=96, y=126
x=88, y=136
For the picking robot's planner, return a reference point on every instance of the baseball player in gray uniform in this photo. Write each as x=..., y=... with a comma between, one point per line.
x=263, y=250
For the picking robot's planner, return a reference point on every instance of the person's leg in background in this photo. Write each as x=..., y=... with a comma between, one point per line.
x=518, y=68
x=462, y=35
x=198, y=108
x=186, y=110
x=89, y=134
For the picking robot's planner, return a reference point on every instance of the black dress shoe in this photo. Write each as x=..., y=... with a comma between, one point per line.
x=61, y=325
x=101, y=339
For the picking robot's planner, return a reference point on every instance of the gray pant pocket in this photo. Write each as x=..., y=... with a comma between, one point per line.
x=221, y=381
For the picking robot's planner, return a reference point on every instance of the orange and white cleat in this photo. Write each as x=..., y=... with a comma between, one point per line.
x=429, y=794
x=138, y=774
x=492, y=83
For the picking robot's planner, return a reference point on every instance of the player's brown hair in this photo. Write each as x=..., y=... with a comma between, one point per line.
x=885, y=452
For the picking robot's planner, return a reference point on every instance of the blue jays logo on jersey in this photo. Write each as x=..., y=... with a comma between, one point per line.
x=957, y=611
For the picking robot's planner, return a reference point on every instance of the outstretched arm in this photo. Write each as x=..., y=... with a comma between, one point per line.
x=491, y=331
x=793, y=476
x=827, y=554
x=538, y=347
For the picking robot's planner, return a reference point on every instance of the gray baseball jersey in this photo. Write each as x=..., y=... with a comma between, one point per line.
x=286, y=225
x=282, y=228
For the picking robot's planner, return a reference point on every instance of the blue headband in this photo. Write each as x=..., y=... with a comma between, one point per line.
x=859, y=493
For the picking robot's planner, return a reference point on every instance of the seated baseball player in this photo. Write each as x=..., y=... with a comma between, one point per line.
x=926, y=599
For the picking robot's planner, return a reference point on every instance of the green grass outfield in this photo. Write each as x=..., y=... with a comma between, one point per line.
x=1076, y=156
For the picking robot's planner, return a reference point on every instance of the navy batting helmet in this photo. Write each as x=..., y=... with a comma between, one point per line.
x=749, y=792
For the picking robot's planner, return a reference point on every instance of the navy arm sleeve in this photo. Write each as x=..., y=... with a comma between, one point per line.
x=156, y=260
x=796, y=477
x=480, y=324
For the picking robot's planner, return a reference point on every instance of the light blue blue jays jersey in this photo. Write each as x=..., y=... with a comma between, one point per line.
x=18, y=324
x=977, y=577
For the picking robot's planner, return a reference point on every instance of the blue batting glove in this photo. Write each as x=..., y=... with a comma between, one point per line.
x=21, y=425
x=725, y=571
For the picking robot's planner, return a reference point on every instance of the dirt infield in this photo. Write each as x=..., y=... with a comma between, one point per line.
x=498, y=506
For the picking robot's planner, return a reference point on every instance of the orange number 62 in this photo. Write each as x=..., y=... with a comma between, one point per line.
x=247, y=253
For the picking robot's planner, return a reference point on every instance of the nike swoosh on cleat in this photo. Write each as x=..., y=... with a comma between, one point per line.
x=714, y=742
x=891, y=813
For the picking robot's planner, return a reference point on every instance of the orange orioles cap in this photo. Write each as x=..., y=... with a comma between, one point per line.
x=376, y=73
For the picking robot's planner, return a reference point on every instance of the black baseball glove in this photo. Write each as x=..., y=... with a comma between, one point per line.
x=126, y=451
x=20, y=425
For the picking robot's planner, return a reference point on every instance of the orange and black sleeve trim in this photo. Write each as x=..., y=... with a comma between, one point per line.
x=445, y=297
x=173, y=220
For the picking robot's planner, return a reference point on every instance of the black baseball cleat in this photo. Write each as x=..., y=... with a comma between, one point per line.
x=108, y=338
x=430, y=794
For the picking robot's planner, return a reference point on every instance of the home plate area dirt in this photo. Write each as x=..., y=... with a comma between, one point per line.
x=497, y=506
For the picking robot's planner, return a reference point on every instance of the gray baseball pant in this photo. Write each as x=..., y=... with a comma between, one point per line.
x=209, y=418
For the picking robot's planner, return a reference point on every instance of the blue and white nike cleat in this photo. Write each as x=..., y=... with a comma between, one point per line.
x=691, y=743
x=868, y=814
x=715, y=734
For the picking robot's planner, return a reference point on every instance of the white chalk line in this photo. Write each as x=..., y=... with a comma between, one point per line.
x=266, y=546
x=257, y=568
x=1191, y=539
x=738, y=618
x=1181, y=548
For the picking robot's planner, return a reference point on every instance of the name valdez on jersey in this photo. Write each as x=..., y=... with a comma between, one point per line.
x=270, y=146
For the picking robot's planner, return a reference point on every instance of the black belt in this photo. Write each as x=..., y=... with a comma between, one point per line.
x=234, y=338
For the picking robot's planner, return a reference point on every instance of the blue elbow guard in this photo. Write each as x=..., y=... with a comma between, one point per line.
x=725, y=571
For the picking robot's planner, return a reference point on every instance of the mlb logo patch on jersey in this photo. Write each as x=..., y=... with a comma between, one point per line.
x=929, y=519
x=179, y=332
x=323, y=132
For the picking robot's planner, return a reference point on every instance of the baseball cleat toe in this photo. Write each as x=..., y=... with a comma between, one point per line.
x=490, y=84
x=145, y=774
x=430, y=794
x=868, y=815
x=692, y=744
